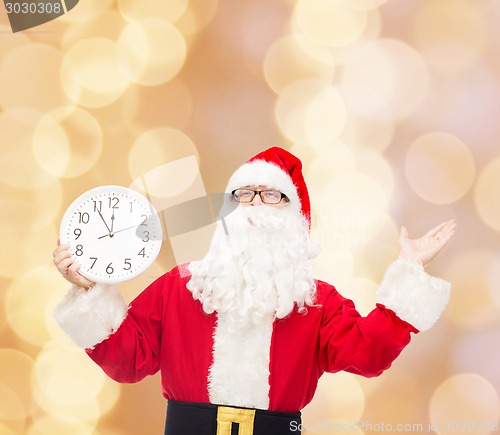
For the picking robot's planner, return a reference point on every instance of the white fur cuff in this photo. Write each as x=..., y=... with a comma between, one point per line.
x=89, y=317
x=415, y=296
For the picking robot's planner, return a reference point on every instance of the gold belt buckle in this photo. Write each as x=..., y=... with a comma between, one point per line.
x=227, y=415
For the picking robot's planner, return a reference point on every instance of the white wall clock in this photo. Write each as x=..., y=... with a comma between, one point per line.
x=114, y=233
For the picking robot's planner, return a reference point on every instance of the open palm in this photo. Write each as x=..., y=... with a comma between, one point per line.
x=429, y=245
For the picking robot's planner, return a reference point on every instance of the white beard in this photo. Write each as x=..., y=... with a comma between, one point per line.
x=259, y=268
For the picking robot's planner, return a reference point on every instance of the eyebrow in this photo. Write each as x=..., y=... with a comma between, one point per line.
x=259, y=187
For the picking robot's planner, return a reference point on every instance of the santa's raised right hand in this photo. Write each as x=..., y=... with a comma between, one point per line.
x=68, y=267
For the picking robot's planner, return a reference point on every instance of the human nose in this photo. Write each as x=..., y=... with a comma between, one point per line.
x=257, y=200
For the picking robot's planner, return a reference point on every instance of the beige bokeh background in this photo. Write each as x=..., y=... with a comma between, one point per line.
x=393, y=107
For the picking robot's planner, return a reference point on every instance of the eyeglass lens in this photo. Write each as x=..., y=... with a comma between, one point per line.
x=267, y=196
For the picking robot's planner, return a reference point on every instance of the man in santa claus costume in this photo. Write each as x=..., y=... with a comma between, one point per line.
x=242, y=336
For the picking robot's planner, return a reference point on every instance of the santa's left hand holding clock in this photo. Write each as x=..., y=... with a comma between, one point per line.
x=68, y=267
x=95, y=244
x=94, y=251
x=424, y=249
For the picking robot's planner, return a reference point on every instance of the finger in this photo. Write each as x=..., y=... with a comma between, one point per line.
x=76, y=278
x=73, y=274
x=57, y=260
x=436, y=229
x=443, y=237
x=452, y=225
x=73, y=269
x=447, y=229
x=59, y=249
x=63, y=265
x=59, y=256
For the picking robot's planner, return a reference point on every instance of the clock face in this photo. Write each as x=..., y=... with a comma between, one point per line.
x=114, y=233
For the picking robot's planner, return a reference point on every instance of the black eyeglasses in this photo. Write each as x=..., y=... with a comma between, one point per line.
x=270, y=196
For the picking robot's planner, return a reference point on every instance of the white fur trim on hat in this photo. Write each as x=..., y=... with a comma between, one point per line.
x=415, y=296
x=89, y=317
x=263, y=173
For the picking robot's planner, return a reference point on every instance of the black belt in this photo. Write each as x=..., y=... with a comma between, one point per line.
x=192, y=418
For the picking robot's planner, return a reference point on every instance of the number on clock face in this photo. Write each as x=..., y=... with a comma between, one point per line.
x=114, y=233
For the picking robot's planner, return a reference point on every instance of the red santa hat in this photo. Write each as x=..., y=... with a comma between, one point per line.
x=278, y=169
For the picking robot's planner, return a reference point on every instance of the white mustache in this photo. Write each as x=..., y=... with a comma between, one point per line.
x=262, y=217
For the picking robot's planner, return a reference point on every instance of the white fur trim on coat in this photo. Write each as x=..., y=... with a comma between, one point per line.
x=262, y=173
x=239, y=375
x=415, y=296
x=89, y=317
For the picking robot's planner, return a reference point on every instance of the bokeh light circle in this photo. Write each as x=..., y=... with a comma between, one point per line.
x=54, y=425
x=356, y=189
x=12, y=42
x=377, y=167
x=155, y=149
x=18, y=166
x=338, y=265
x=67, y=143
x=351, y=209
x=26, y=303
x=109, y=396
x=451, y=35
x=366, y=4
x=391, y=69
x=378, y=251
x=90, y=73
x=197, y=16
x=151, y=51
x=330, y=23
x=472, y=304
x=468, y=402
x=487, y=194
x=370, y=123
x=295, y=57
x=66, y=375
x=170, y=11
x=337, y=159
x=86, y=11
x=12, y=408
x=348, y=401
x=325, y=118
x=362, y=292
x=344, y=54
x=28, y=248
x=439, y=167
x=107, y=25
x=18, y=207
x=291, y=110
x=493, y=278
x=50, y=146
x=146, y=107
x=15, y=371
x=478, y=342
x=17, y=87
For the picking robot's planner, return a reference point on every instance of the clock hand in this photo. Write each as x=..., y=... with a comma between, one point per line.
x=98, y=211
x=112, y=223
x=119, y=231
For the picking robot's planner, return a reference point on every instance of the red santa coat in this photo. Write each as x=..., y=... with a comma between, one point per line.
x=165, y=329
